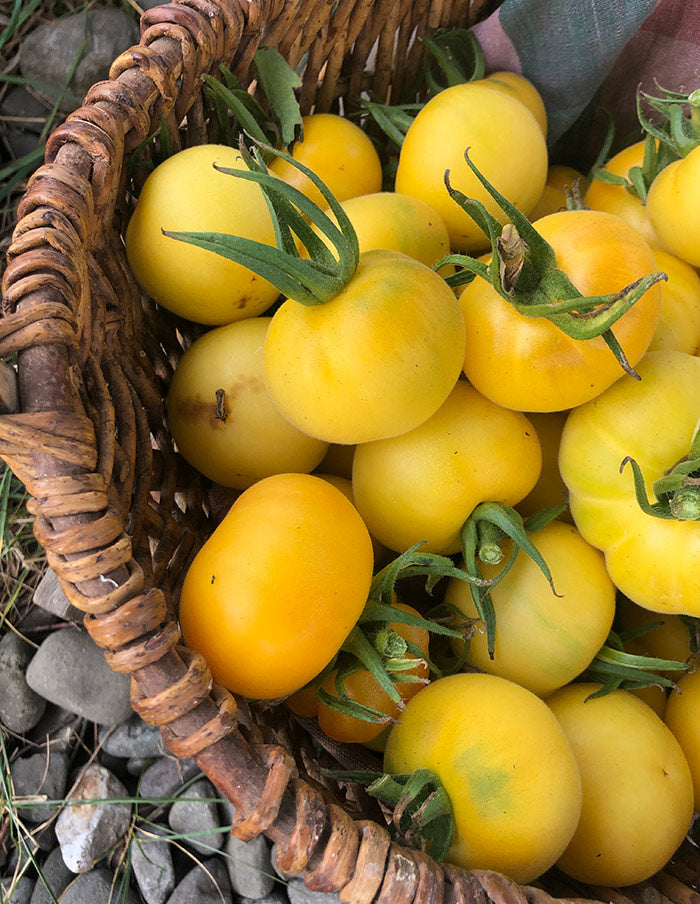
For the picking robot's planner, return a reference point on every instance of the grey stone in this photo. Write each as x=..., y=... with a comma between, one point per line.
x=152, y=863
x=49, y=51
x=56, y=875
x=40, y=774
x=196, y=818
x=9, y=393
x=97, y=887
x=17, y=891
x=136, y=765
x=249, y=866
x=133, y=738
x=85, y=831
x=20, y=706
x=49, y=596
x=164, y=777
x=298, y=893
x=207, y=883
x=59, y=728
x=278, y=895
x=70, y=670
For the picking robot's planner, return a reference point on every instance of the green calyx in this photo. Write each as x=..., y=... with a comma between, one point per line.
x=677, y=492
x=614, y=669
x=639, y=178
x=418, y=807
x=488, y=525
x=679, y=130
x=311, y=281
x=524, y=272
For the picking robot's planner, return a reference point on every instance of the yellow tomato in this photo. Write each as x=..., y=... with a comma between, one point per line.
x=637, y=788
x=374, y=361
x=673, y=207
x=337, y=151
x=682, y=716
x=523, y=90
x=615, y=199
x=678, y=328
x=424, y=484
x=543, y=640
x=553, y=198
x=276, y=589
x=506, y=765
x=221, y=415
x=187, y=194
x=491, y=124
x=550, y=489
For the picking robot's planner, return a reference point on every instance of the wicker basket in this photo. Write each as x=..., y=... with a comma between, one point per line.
x=119, y=515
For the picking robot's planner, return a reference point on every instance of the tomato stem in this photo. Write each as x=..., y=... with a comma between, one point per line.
x=677, y=492
x=524, y=272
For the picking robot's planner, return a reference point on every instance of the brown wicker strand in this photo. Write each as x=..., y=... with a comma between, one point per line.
x=212, y=731
x=281, y=767
x=400, y=878
x=178, y=698
x=370, y=864
x=310, y=811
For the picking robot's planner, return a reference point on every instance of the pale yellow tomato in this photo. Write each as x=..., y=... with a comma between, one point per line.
x=550, y=489
x=489, y=123
x=221, y=415
x=637, y=788
x=678, y=328
x=543, y=640
x=337, y=151
x=682, y=716
x=553, y=198
x=506, y=765
x=187, y=194
x=423, y=484
x=518, y=86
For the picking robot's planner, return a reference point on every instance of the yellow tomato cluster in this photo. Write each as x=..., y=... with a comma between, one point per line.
x=383, y=417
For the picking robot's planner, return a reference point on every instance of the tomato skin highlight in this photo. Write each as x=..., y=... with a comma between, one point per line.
x=506, y=765
x=673, y=207
x=528, y=363
x=275, y=590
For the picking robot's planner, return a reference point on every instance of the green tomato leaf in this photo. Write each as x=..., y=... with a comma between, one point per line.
x=278, y=81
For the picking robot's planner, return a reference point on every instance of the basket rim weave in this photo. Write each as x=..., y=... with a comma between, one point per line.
x=63, y=456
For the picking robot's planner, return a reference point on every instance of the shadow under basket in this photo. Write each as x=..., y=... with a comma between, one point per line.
x=119, y=514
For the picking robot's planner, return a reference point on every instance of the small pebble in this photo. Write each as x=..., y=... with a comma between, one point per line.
x=206, y=883
x=98, y=887
x=196, y=818
x=133, y=738
x=249, y=866
x=20, y=706
x=56, y=875
x=152, y=863
x=16, y=891
x=298, y=893
x=39, y=774
x=164, y=777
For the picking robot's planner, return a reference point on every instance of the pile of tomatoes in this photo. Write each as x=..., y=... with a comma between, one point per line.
x=410, y=380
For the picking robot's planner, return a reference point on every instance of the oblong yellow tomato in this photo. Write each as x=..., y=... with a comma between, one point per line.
x=678, y=328
x=337, y=151
x=375, y=361
x=424, y=484
x=186, y=193
x=653, y=561
x=543, y=640
x=489, y=123
x=394, y=222
x=506, y=765
x=637, y=789
x=615, y=199
x=276, y=589
x=681, y=716
x=528, y=363
x=673, y=207
x=221, y=415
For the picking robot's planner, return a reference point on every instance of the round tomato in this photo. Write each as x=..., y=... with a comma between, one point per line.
x=681, y=716
x=489, y=123
x=673, y=207
x=616, y=199
x=422, y=486
x=362, y=687
x=506, y=765
x=653, y=561
x=550, y=490
x=186, y=193
x=221, y=415
x=679, y=322
x=543, y=640
x=278, y=586
x=523, y=90
x=394, y=222
x=637, y=789
x=376, y=360
x=528, y=363
x=339, y=152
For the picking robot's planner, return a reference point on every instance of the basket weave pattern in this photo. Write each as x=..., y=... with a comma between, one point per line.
x=120, y=516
